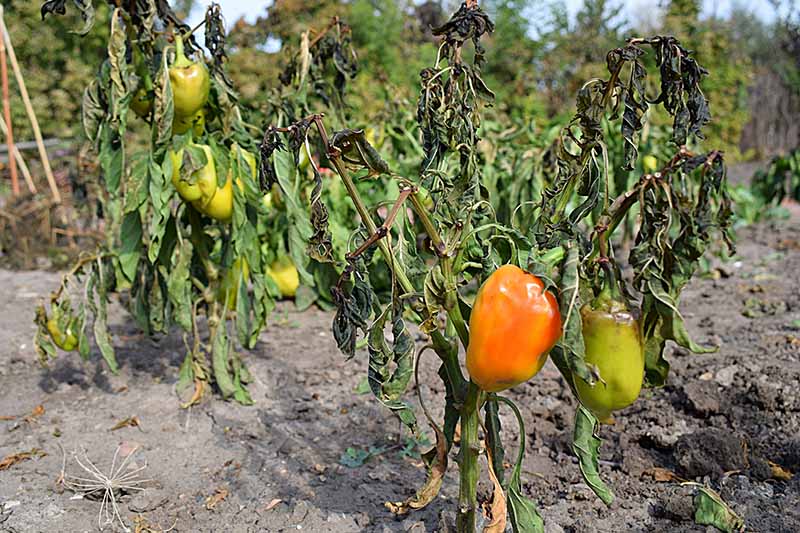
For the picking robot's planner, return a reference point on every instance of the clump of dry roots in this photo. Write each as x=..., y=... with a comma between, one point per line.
x=122, y=478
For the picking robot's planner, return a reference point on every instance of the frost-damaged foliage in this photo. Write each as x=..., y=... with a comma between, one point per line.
x=175, y=264
x=681, y=208
x=456, y=240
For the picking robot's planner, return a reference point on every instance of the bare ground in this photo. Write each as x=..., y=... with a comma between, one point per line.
x=731, y=419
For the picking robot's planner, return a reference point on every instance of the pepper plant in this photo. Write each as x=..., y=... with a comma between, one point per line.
x=549, y=283
x=191, y=238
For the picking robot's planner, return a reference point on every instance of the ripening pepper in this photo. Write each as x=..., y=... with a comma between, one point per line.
x=285, y=275
x=228, y=289
x=202, y=181
x=613, y=339
x=512, y=327
x=190, y=83
x=217, y=202
x=649, y=163
x=62, y=330
x=142, y=101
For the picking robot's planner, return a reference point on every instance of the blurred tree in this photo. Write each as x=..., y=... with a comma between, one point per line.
x=56, y=63
x=715, y=49
x=573, y=52
x=774, y=96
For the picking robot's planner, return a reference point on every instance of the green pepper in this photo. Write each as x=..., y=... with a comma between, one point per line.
x=190, y=83
x=142, y=102
x=143, y=98
x=612, y=336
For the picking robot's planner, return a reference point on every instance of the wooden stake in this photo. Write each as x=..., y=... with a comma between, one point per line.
x=12, y=162
x=26, y=173
x=51, y=180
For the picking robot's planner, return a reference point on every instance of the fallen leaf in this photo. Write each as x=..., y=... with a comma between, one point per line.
x=711, y=510
x=219, y=495
x=131, y=421
x=778, y=472
x=272, y=504
x=10, y=460
x=36, y=413
x=661, y=475
x=199, y=388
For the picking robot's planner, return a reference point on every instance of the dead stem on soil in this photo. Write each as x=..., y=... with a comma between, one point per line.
x=120, y=479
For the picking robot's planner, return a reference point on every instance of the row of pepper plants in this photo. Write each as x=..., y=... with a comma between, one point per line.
x=192, y=239
x=506, y=263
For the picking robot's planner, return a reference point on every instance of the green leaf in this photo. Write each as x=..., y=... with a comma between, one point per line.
x=130, y=244
x=494, y=444
x=711, y=510
x=179, y=285
x=522, y=510
x=219, y=363
x=111, y=159
x=83, y=339
x=569, y=353
x=586, y=445
x=98, y=283
x=299, y=223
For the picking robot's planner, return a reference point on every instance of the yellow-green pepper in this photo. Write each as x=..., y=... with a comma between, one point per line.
x=190, y=83
x=613, y=339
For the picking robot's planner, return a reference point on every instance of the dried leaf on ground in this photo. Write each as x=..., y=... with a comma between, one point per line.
x=219, y=495
x=10, y=460
x=131, y=421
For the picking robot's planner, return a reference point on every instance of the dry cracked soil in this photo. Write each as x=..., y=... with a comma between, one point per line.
x=730, y=419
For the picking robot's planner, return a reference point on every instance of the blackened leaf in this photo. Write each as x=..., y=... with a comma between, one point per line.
x=391, y=367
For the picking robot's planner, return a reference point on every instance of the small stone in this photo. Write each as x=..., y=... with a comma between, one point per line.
x=702, y=397
x=725, y=375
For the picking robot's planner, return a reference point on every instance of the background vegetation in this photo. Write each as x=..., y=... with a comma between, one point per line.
x=537, y=64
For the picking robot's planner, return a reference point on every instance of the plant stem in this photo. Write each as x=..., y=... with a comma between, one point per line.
x=468, y=461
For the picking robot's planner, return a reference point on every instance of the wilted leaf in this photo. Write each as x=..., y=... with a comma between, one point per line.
x=711, y=510
x=586, y=445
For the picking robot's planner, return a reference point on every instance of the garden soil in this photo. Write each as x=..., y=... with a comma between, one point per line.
x=316, y=454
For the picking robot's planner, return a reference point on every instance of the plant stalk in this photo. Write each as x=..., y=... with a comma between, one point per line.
x=468, y=461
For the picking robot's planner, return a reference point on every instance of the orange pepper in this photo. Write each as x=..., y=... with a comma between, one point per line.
x=513, y=325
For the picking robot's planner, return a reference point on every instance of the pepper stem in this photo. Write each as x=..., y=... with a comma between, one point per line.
x=610, y=291
x=181, y=61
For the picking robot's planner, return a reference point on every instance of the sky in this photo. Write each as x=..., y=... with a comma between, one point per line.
x=634, y=9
